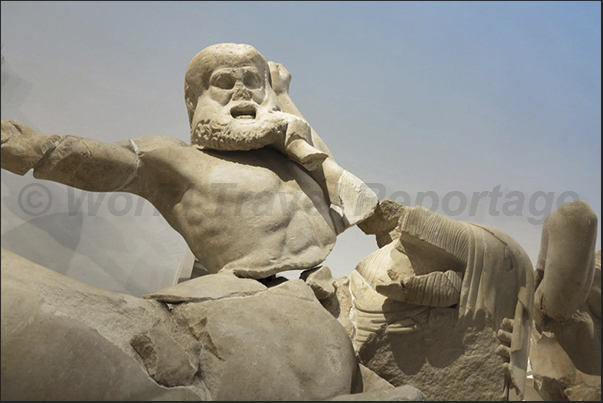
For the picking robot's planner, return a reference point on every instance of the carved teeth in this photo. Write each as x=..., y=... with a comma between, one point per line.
x=244, y=111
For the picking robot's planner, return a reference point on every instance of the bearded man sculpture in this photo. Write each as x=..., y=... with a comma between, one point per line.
x=255, y=193
x=246, y=134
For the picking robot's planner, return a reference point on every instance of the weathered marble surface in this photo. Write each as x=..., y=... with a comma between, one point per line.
x=401, y=393
x=442, y=310
x=444, y=306
x=566, y=340
x=65, y=340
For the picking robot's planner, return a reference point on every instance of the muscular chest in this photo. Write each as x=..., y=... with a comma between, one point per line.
x=254, y=187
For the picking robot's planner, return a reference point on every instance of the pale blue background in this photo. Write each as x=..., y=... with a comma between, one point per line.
x=415, y=96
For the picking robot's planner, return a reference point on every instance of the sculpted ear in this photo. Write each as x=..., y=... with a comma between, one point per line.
x=280, y=78
x=191, y=102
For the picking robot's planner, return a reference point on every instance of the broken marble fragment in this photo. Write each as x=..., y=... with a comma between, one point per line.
x=428, y=305
x=166, y=360
x=208, y=287
x=384, y=222
x=566, y=259
x=262, y=346
x=65, y=340
x=320, y=281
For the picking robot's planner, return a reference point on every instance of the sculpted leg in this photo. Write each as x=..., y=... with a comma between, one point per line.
x=567, y=259
x=566, y=340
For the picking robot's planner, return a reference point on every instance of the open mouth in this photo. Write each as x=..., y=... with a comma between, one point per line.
x=243, y=111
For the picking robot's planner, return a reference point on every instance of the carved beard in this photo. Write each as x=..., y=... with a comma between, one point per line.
x=233, y=134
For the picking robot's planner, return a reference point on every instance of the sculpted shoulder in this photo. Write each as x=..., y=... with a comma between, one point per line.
x=170, y=156
x=166, y=161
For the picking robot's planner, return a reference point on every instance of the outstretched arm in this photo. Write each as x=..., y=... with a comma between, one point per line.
x=75, y=161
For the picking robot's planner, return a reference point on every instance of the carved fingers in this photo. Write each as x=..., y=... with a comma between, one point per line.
x=504, y=335
x=305, y=154
x=298, y=145
x=439, y=289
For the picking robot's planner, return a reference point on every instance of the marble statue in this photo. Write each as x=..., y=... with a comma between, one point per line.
x=566, y=340
x=219, y=337
x=443, y=310
x=256, y=192
x=438, y=300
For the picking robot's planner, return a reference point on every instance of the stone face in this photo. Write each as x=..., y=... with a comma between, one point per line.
x=436, y=308
x=256, y=192
x=565, y=349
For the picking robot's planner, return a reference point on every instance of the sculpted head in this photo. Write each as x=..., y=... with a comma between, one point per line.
x=230, y=99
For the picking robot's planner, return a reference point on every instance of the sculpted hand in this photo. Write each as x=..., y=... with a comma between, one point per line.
x=504, y=335
x=281, y=78
x=23, y=147
x=350, y=198
x=298, y=139
x=298, y=148
x=297, y=142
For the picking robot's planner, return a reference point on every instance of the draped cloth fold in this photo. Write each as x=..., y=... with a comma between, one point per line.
x=498, y=280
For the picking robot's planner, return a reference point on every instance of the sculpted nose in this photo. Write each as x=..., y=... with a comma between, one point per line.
x=241, y=93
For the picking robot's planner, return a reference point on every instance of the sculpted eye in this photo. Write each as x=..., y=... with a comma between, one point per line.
x=252, y=80
x=223, y=81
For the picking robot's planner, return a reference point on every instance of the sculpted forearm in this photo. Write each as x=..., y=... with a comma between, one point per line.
x=75, y=161
x=281, y=79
